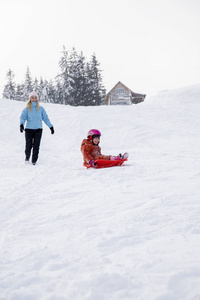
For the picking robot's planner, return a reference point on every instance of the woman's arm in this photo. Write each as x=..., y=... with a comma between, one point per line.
x=45, y=118
x=23, y=116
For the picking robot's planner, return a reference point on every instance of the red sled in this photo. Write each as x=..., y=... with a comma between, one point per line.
x=103, y=163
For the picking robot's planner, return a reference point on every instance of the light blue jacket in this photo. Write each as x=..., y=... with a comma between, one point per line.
x=34, y=117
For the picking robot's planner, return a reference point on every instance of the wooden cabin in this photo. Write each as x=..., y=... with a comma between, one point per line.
x=122, y=95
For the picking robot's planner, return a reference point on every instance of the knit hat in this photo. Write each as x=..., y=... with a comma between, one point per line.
x=33, y=94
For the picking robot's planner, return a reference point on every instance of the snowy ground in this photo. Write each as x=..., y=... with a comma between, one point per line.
x=124, y=233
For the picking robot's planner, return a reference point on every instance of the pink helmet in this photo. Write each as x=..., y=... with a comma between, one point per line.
x=92, y=132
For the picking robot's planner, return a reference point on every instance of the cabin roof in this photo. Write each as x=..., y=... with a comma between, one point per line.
x=119, y=82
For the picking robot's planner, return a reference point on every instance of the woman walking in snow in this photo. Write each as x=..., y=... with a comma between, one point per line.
x=33, y=115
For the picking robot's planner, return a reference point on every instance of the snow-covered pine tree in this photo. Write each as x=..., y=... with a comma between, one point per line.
x=79, y=93
x=79, y=83
x=97, y=90
x=58, y=92
x=90, y=88
x=19, y=92
x=59, y=97
x=51, y=92
x=72, y=75
x=44, y=92
x=9, y=91
x=64, y=79
x=47, y=93
x=41, y=85
x=28, y=84
x=36, y=86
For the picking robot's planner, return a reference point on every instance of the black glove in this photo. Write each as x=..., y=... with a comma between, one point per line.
x=52, y=130
x=21, y=128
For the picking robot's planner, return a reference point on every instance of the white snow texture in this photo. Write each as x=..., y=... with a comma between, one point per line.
x=122, y=233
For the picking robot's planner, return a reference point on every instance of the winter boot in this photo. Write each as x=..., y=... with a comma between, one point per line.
x=125, y=155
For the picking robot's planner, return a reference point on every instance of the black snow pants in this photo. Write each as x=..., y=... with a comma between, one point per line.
x=33, y=138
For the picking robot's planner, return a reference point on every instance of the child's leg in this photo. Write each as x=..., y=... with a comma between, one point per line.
x=115, y=157
x=120, y=156
x=106, y=157
x=110, y=157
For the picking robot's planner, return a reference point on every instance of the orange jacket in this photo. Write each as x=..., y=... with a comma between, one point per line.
x=91, y=151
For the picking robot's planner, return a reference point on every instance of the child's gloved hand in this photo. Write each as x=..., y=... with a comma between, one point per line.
x=92, y=163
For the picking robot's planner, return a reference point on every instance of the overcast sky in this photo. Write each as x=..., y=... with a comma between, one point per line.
x=149, y=45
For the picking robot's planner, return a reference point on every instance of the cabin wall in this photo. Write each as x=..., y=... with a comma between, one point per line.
x=120, y=96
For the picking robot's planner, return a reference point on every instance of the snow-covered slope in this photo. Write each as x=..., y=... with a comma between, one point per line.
x=124, y=233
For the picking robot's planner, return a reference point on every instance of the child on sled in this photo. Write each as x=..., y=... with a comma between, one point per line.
x=91, y=150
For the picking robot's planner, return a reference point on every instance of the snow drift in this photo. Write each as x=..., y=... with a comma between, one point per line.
x=130, y=232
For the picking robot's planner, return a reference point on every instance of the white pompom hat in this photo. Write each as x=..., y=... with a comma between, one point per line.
x=33, y=94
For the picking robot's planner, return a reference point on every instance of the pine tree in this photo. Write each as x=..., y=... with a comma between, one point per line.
x=9, y=91
x=47, y=92
x=40, y=87
x=58, y=93
x=79, y=83
x=36, y=86
x=44, y=92
x=64, y=79
x=51, y=92
x=95, y=79
x=28, y=84
x=19, y=93
x=90, y=87
x=78, y=79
